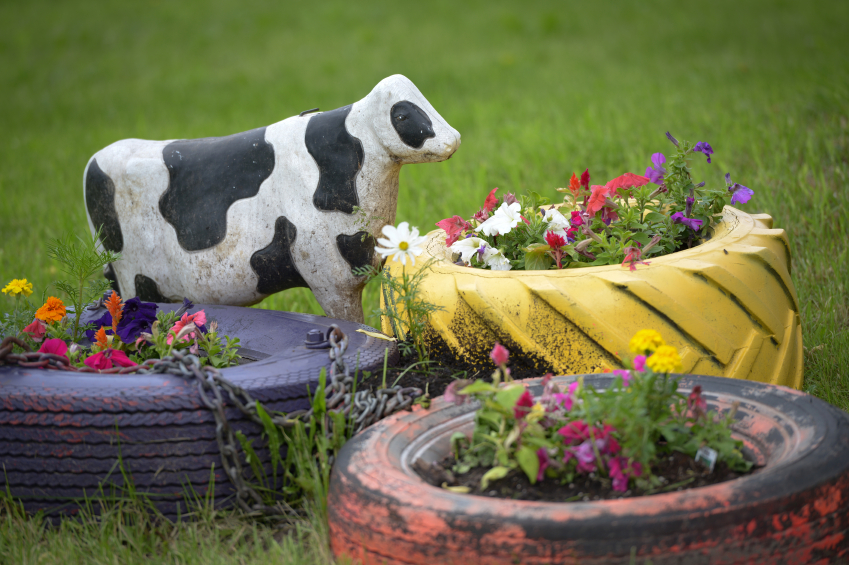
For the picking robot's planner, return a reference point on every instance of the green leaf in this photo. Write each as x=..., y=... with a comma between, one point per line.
x=507, y=397
x=478, y=386
x=537, y=258
x=529, y=462
x=493, y=475
x=319, y=403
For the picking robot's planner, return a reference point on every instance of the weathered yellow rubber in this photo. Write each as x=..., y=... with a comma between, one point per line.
x=728, y=305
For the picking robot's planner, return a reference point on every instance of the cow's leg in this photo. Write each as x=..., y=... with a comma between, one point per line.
x=341, y=302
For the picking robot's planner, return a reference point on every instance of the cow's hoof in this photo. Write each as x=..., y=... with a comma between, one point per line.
x=728, y=305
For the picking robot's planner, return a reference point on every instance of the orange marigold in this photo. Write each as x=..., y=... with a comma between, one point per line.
x=52, y=311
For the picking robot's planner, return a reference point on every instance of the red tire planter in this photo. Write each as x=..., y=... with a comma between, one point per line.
x=61, y=433
x=795, y=509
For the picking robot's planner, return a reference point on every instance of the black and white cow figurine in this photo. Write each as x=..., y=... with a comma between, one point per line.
x=231, y=220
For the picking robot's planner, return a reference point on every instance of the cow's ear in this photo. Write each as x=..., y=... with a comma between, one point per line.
x=412, y=124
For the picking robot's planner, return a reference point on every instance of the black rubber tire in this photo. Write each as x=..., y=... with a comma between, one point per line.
x=62, y=433
x=792, y=510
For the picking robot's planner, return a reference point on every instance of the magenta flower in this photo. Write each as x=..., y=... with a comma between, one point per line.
x=574, y=431
x=454, y=228
x=198, y=318
x=626, y=376
x=544, y=463
x=704, y=147
x=510, y=198
x=56, y=347
x=621, y=472
x=566, y=398
x=655, y=174
x=692, y=223
x=107, y=358
x=739, y=193
x=640, y=363
x=499, y=354
x=555, y=241
x=523, y=405
x=696, y=403
x=585, y=455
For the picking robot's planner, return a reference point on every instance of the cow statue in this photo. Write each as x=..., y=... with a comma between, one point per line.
x=231, y=220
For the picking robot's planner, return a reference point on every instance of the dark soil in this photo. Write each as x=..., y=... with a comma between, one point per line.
x=444, y=368
x=676, y=471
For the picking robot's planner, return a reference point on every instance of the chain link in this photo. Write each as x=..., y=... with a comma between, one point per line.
x=363, y=407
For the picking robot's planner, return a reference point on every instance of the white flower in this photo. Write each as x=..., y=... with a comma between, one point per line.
x=401, y=243
x=557, y=220
x=468, y=247
x=505, y=219
x=496, y=260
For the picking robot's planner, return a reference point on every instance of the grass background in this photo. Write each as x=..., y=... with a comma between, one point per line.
x=537, y=90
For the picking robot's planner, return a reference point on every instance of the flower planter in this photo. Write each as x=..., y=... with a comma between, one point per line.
x=790, y=510
x=728, y=306
x=62, y=433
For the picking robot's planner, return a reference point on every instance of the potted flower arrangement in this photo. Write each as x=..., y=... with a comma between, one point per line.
x=641, y=463
x=565, y=287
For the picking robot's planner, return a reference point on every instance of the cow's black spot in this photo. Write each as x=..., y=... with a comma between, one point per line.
x=109, y=274
x=148, y=291
x=100, y=201
x=206, y=177
x=339, y=157
x=357, y=249
x=273, y=264
x=411, y=123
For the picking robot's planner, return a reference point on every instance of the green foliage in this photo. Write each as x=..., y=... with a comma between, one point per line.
x=404, y=306
x=80, y=259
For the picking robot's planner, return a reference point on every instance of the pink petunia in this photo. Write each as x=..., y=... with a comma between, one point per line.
x=56, y=347
x=626, y=376
x=574, y=431
x=36, y=330
x=544, y=463
x=640, y=363
x=198, y=318
x=107, y=358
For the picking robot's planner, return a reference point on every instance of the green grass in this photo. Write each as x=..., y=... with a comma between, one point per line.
x=537, y=90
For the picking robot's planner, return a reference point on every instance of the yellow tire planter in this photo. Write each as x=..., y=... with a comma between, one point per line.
x=728, y=305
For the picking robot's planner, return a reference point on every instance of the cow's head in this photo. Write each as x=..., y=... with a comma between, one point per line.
x=406, y=124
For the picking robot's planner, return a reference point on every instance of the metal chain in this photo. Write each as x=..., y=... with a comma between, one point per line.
x=363, y=407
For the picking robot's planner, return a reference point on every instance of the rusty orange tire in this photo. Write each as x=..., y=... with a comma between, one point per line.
x=794, y=509
x=728, y=305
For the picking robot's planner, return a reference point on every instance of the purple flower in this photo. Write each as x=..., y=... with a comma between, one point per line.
x=655, y=174
x=690, y=202
x=544, y=462
x=639, y=363
x=692, y=223
x=704, y=147
x=739, y=193
x=138, y=317
x=626, y=376
x=672, y=139
x=586, y=456
x=105, y=320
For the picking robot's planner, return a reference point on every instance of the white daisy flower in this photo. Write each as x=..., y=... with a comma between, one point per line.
x=401, y=243
x=468, y=247
x=496, y=260
x=557, y=220
x=503, y=220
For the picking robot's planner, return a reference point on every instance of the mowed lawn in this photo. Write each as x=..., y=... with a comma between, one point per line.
x=537, y=90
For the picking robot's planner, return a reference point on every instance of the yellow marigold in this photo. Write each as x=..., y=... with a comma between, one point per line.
x=18, y=286
x=52, y=311
x=665, y=360
x=645, y=342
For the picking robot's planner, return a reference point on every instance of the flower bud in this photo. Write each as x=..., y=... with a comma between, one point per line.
x=587, y=231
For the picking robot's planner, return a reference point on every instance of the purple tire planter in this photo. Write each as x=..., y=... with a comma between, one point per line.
x=62, y=433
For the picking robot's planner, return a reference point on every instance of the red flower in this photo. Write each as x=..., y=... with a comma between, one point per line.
x=576, y=431
x=626, y=181
x=696, y=404
x=585, y=179
x=105, y=360
x=36, y=330
x=554, y=240
x=597, y=199
x=523, y=405
x=632, y=256
x=56, y=347
x=574, y=184
x=491, y=201
x=454, y=228
x=500, y=354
